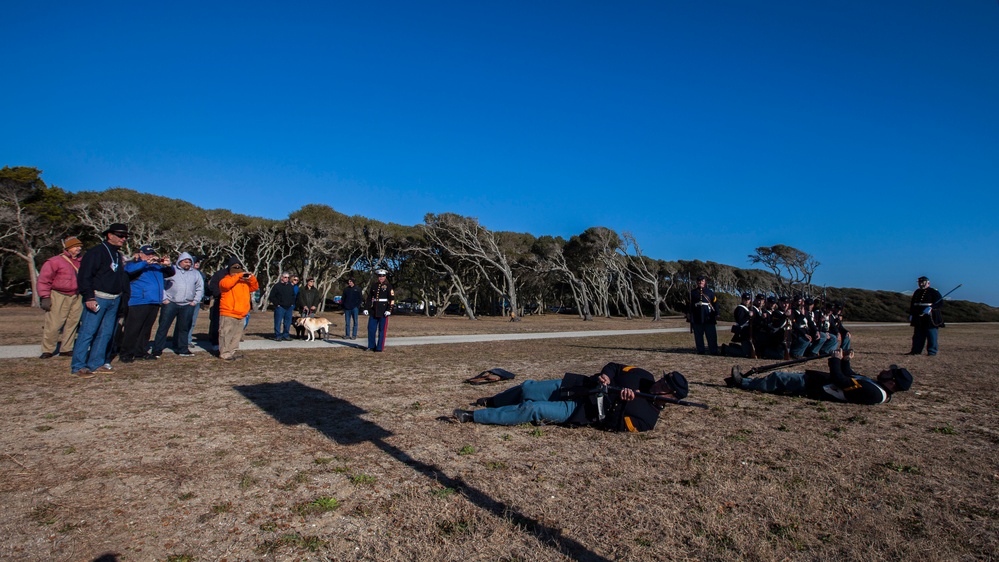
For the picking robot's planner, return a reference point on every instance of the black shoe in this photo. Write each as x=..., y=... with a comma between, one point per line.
x=735, y=381
x=185, y=353
x=485, y=402
x=46, y=355
x=463, y=416
x=126, y=359
x=149, y=357
x=66, y=354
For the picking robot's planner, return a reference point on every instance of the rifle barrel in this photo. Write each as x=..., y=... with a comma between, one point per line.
x=773, y=366
x=663, y=398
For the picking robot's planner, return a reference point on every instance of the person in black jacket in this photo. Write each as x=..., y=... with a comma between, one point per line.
x=702, y=314
x=282, y=297
x=578, y=400
x=104, y=285
x=309, y=298
x=351, y=303
x=839, y=384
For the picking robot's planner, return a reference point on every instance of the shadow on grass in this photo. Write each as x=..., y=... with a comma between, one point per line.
x=676, y=350
x=293, y=403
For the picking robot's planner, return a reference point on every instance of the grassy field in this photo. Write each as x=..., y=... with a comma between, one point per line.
x=341, y=454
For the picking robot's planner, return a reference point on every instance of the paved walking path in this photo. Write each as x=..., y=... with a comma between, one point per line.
x=20, y=351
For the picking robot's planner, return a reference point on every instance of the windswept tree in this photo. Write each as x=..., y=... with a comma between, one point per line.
x=329, y=245
x=597, y=258
x=646, y=270
x=551, y=261
x=454, y=276
x=32, y=217
x=467, y=240
x=792, y=267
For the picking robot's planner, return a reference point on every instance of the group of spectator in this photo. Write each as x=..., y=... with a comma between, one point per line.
x=100, y=304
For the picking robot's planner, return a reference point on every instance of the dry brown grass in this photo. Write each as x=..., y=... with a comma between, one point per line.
x=341, y=454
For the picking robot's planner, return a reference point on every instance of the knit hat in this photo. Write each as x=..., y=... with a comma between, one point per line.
x=71, y=242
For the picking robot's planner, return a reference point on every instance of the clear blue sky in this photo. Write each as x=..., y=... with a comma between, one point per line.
x=864, y=132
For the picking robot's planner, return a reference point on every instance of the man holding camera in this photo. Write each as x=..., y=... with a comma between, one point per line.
x=147, y=273
x=234, y=304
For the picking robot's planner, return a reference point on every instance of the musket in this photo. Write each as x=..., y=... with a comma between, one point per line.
x=938, y=301
x=657, y=397
x=773, y=366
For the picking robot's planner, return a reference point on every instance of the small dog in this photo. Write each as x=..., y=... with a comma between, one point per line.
x=312, y=325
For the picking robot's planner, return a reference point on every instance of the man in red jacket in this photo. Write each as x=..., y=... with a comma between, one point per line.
x=61, y=300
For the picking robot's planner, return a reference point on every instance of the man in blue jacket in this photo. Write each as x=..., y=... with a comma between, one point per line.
x=147, y=274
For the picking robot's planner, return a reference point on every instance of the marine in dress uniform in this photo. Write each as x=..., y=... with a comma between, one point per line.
x=380, y=302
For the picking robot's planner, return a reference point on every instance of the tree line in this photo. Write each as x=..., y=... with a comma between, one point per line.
x=449, y=259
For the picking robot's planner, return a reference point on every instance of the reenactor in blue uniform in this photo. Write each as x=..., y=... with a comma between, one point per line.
x=801, y=329
x=742, y=330
x=632, y=404
x=925, y=317
x=837, y=329
x=702, y=314
x=839, y=384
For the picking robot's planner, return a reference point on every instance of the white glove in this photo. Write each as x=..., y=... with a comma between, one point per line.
x=387, y=313
x=365, y=312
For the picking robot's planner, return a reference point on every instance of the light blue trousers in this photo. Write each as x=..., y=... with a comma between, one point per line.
x=531, y=401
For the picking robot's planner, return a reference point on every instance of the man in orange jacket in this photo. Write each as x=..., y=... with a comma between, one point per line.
x=234, y=305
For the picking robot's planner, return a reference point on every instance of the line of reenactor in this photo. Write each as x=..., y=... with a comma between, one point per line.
x=786, y=327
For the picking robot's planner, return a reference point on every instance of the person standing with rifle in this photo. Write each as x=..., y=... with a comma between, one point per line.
x=702, y=314
x=925, y=318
